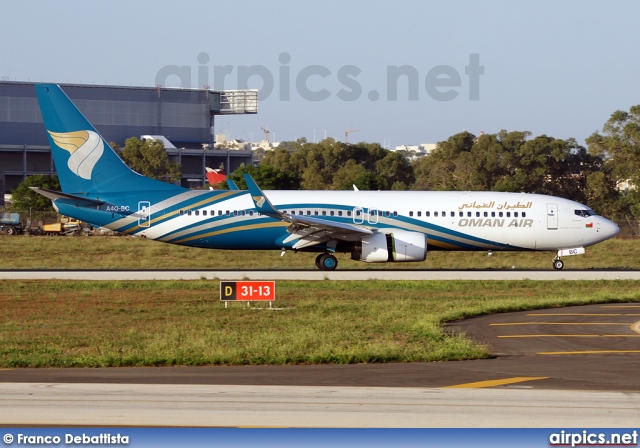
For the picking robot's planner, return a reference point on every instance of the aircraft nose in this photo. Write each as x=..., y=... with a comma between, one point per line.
x=609, y=229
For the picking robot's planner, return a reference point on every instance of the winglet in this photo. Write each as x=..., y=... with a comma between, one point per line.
x=262, y=203
x=232, y=185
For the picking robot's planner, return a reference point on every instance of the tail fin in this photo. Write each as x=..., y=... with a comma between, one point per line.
x=85, y=162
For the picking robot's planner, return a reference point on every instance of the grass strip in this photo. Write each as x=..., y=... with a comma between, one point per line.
x=96, y=323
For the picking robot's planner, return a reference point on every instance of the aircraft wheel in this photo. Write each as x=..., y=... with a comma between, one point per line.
x=328, y=262
x=318, y=261
x=558, y=264
x=10, y=231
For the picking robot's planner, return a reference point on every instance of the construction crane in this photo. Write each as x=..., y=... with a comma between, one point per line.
x=266, y=132
x=346, y=134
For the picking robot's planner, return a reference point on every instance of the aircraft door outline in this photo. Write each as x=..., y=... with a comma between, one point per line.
x=552, y=216
x=358, y=215
x=372, y=216
x=144, y=214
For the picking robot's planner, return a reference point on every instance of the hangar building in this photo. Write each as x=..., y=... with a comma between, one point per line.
x=183, y=117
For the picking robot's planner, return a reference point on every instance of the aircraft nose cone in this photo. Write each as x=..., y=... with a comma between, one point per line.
x=609, y=229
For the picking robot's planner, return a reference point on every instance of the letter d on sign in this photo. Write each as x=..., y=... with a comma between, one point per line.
x=227, y=291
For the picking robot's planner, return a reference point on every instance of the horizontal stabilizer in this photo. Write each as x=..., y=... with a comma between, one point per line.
x=68, y=198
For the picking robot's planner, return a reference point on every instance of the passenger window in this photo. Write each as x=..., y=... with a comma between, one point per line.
x=435, y=214
x=410, y=213
x=197, y=212
x=461, y=214
x=189, y=213
x=339, y=212
x=477, y=214
x=395, y=213
x=204, y=213
x=349, y=213
x=500, y=214
x=427, y=214
x=453, y=214
x=508, y=214
x=181, y=212
x=332, y=213
x=468, y=214
x=324, y=213
x=524, y=214
x=250, y=212
x=515, y=214
x=493, y=214
x=486, y=214
x=228, y=213
x=419, y=213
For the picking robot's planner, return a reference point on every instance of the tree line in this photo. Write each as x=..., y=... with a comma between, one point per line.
x=604, y=175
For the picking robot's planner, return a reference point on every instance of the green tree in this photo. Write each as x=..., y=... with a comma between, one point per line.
x=619, y=144
x=619, y=147
x=394, y=172
x=149, y=158
x=354, y=173
x=267, y=177
x=24, y=199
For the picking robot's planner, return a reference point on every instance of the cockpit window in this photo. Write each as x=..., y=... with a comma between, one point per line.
x=584, y=213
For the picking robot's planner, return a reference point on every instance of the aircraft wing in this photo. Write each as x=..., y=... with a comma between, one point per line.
x=306, y=230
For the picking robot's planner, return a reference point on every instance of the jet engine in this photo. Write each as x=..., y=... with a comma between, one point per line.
x=396, y=246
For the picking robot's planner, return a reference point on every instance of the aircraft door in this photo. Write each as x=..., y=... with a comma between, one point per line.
x=552, y=216
x=144, y=214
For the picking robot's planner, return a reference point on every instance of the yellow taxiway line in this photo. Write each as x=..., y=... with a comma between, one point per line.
x=571, y=336
x=620, y=306
x=575, y=314
x=558, y=323
x=492, y=383
x=589, y=352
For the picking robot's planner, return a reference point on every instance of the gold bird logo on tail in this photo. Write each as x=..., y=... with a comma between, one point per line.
x=85, y=147
x=259, y=200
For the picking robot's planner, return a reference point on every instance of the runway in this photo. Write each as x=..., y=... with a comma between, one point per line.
x=309, y=406
x=307, y=275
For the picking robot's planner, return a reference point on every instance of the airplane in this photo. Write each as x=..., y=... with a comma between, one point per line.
x=373, y=226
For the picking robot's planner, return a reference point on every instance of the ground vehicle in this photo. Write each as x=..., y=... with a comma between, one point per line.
x=11, y=223
x=66, y=226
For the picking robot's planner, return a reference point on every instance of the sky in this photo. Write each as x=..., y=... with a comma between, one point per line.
x=402, y=72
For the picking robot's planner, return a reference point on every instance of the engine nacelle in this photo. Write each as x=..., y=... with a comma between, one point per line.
x=398, y=246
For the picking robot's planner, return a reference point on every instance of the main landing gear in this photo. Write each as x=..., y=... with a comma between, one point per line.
x=326, y=262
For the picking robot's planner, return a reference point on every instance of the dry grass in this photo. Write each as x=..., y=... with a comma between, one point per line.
x=18, y=252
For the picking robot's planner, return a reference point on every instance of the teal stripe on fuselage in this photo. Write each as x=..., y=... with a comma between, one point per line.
x=434, y=232
x=393, y=221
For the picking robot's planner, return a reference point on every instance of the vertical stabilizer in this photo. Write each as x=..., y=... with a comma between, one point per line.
x=85, y=162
